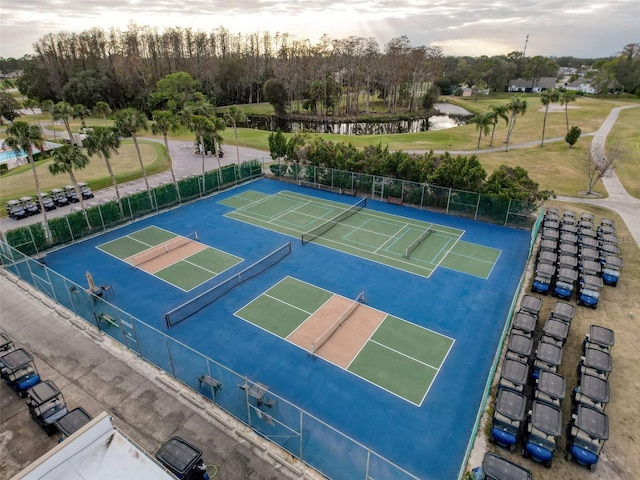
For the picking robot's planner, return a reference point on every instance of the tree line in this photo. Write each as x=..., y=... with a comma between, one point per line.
x=330, y=77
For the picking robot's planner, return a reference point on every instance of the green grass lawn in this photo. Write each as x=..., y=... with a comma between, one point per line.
x=20, y=181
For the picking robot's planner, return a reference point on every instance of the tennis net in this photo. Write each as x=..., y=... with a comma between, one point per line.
x=329, y=224
x=417, y=242
x=161, y=249
x=318, y=342
x=184, y=311
x=319, y=186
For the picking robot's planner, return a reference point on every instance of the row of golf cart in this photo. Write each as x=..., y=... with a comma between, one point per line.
x=575, y=258
x=531, y=391
x=57, y=197
x=45, y=401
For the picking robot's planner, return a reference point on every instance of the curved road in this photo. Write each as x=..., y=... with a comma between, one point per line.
x=185, y=163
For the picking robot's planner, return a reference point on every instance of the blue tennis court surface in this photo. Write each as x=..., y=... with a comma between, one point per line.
x=427, y=438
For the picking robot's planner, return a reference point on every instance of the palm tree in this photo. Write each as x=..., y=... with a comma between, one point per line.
x=165, y=121
x=234, y=116
x=63, y=111
x=32, y=104
x=67, y=159
x=47, y=107
x=497, y=112
x=129, y=122
x=483, y=123
x=23, y=138
x=104, y=141
x=102, y=109
x=516, y=106
x=201, y=126
x=81, y=112
x=546, y=98
x=566, y=97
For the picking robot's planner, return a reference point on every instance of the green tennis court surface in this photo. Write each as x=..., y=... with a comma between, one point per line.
x=410, y=245
x=400, y=357
x=185, y=274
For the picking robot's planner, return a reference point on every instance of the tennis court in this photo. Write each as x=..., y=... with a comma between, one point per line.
x=412, y=246
x=387, y=351
x=181, y=261
x=433, y=319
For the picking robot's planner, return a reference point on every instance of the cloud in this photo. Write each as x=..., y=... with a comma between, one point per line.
x=583, y=28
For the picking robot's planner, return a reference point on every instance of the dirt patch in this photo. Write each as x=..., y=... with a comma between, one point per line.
x=618, y=309
x=556, y=108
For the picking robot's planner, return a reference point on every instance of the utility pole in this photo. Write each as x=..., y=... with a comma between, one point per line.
x=524, y=51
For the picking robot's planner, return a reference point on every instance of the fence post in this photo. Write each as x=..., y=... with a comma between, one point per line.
x=448, y=201
x=475, y=217
x=506, y=216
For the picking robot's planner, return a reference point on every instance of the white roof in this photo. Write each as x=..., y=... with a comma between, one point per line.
x=97, y=451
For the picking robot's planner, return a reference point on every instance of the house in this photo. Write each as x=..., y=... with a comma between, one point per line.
x=581, y=85
x=529, y=85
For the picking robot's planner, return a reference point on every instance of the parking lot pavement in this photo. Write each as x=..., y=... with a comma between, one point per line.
x=98, y=374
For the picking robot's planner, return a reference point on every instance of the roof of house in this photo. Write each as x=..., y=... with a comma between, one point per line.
x=542, y=82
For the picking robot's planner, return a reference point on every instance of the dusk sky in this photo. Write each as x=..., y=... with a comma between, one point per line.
x=581, y=28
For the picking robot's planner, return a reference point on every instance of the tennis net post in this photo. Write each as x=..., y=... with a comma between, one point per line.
x=417, y=242
x=332, y=222
x=318, y=342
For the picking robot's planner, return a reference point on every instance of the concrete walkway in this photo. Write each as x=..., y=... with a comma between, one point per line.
x=99, y=374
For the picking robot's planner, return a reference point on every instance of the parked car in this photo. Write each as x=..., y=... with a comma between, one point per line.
x=72, y=195
x=46, y=405
x=543, y=431
x=495, y=467
x=19, y=371
x=85, y=190
x=15, y=210
x=59, y=197
x=47, y=201
x=31, y=207
x=586, y=435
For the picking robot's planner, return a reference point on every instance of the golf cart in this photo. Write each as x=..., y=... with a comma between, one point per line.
x=599, y=337
x=589, y=217
x=15, y=210
x=563, y=311
x=508, y=418
x=18, y=371
x=568, y=249
x=550, y=388
x=31, y=207
x=524, y=322
x=72, y=422
x=47, y=201
x=589, y=291
x=543, y=277
x=590, y=267
x=589, y=253
x=605, y=222
x=514, y=374
x=547, y=245
x=586, y=233
x=531, y=304
x=611, y=271
x=591, y=242
x=551, y=212
x=565, y=283
x=85, y=190
x=567, y=227
x=586, y=435
x=71, y=194
x=608, y=249
x=46, y=405
x=495, y=467
x=595, y=362
x=568, y=237
x=592, y=391
x=609, y=238
x=520, y=346
x=585, y=224
x=548, y=357
x=550, y=234
x=555, y=331
x=59, y=197
x=605, y=230
x=543, y=430
x=182, y=459
x=568, y=261
x=545, y=256
x=551, y=223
